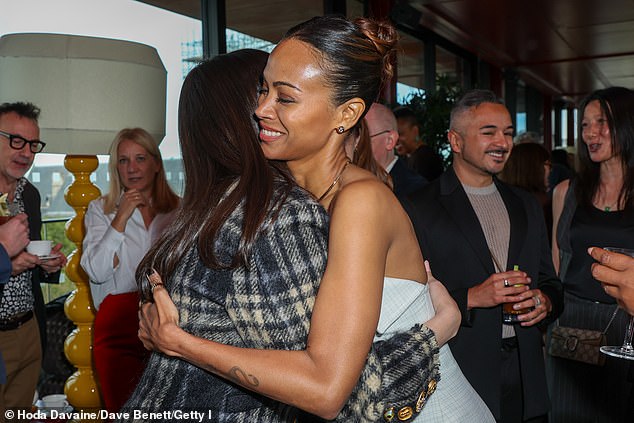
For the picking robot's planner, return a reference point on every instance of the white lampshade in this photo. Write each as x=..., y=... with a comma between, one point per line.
x=87, y=88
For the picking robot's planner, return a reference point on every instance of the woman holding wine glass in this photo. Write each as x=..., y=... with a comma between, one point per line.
x=596, y=208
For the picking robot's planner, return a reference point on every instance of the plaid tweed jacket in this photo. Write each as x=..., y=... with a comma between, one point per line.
x=268, y=305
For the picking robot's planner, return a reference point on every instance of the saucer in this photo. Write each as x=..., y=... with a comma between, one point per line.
x=47, y=410
x=47, y=257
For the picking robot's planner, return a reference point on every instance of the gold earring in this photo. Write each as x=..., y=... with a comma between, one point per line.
x=340, y=129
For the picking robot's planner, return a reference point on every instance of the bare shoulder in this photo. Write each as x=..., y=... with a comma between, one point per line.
x=368, y=204
x=560, y=190
x=362, y=188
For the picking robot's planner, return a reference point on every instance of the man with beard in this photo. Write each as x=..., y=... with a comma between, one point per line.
x=498, y=235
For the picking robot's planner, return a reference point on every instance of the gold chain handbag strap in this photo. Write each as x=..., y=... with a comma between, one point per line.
x=616, y=309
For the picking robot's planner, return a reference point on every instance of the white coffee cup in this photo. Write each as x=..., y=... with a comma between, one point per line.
x=55, y=401
x=40, y=248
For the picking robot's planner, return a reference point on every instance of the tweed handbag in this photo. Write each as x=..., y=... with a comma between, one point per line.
x=400, y=375
x=579, y=344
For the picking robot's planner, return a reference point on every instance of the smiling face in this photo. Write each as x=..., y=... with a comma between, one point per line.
x=295, y=112
x=15, y=163
x=137, y=168
x=595, y=132
x=407, y=137
x=481, y=143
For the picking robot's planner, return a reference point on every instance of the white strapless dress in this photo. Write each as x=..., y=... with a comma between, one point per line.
x=406, y=303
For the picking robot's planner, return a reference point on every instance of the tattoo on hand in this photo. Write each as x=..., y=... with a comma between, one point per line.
x=238, y=375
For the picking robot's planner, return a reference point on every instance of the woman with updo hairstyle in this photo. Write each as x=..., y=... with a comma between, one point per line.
x=318, y=84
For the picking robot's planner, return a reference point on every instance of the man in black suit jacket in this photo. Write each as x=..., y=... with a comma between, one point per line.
x=470, y=225
x=383, y=135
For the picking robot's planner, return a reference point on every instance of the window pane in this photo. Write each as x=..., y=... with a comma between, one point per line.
x=411, y=68
x=448, y=64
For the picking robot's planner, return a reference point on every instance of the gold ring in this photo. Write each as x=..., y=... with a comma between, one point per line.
x=154, y=285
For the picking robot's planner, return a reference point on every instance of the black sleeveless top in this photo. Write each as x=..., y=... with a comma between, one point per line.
x=593, y=227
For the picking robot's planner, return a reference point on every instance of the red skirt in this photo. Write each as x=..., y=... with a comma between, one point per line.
x=118, y=353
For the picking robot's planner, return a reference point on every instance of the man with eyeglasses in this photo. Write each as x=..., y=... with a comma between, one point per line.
x=22, y=337
x=383, y=135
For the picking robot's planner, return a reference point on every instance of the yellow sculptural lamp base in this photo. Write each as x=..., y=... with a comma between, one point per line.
x=81, y=387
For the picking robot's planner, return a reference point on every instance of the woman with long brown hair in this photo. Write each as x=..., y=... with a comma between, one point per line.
x=596, y=208
x=120, y=228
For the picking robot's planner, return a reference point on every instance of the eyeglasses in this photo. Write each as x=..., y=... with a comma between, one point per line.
x=380, y=133
x=17, y=142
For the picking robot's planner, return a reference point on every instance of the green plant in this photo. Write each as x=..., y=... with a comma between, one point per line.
x=55, y=231
x=432, y=111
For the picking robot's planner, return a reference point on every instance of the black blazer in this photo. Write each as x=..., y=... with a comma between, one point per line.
x=31, y=198
x=452, y=240
x=405, y=180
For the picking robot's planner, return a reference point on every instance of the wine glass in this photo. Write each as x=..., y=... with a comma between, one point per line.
x=625, y=351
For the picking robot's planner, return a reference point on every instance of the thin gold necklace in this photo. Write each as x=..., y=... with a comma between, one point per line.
x=334, y=182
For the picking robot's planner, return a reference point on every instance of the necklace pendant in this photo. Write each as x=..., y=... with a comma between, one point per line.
x=607, y=208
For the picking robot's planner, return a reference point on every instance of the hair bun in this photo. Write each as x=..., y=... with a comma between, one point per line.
x=384, y=37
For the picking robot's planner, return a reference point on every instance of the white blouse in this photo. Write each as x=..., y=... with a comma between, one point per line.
x=102, y=242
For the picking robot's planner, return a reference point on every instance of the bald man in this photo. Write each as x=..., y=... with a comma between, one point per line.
x=384, y=135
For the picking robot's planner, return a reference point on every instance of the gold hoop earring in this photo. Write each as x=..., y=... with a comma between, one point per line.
x=340, y=129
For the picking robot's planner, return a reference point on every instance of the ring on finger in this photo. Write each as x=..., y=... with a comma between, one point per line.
x=538, y=302
x=506, y=283
x=154, y=285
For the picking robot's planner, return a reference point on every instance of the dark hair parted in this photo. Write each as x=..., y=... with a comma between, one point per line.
x=525, y=167
x=617, y=103
x=357, y=57
x=224, y=165
x=471, y=98
x=25, y=110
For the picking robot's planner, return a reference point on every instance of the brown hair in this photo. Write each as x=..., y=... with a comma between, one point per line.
x=225, y=167
x=616, y=103
x=525, y=167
